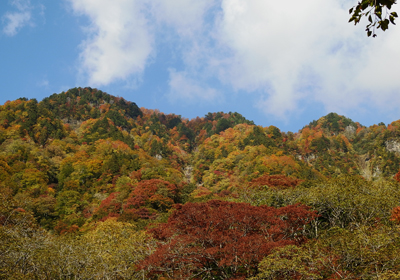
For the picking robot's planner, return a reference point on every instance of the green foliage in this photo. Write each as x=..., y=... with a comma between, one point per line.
x=32, y=120
x=185, y=132
x=361, y=253
x=110, y=251
x=320, y=144
x=377, y=13
x=174, y=122
x=258, y=137
x=83, y=159
x=366, y=252
x=68, y=202
x=345, y=202
x=105, y=128
x=289, y=262
x=84, y=103
x=218, y=122
x=333, y=123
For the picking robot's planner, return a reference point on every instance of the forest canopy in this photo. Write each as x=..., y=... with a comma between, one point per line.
x=94, y=187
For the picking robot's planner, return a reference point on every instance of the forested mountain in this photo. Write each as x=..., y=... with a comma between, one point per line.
x=84, y=173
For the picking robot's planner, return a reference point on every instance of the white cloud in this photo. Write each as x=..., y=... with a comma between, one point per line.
x=306, y=50
x=188, y=90
x=14, y=21
x=187, y=26
x=185, y=16
x=119, y=40
x=280, y=55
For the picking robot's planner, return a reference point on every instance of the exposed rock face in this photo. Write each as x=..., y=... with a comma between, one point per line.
x=377, y=172
x=158, y=156
x=393, y=146
x=72, y=122
x=364, y=164
x=350, y=131
x=307, y=158
x=188, y=171
x=100, y=196
x=366, y=169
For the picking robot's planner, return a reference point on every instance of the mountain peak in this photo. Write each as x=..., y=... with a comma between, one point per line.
x=333, y=123
x=85, y=103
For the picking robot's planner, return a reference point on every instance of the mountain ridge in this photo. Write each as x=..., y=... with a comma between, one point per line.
x=96, y=176
x=89, y=142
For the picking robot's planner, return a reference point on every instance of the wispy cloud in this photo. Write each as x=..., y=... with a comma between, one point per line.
x=43, y=83
x=186, y=17
x=119, y=42
x=14, y=21
x=187, y=90
x=279, y=56
x=306, y=51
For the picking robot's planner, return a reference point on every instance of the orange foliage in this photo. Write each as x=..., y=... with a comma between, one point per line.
x=148, y=197
x=109, y=207
x=396, y=215
x=397, y=176
x=201, y=192
x=62, y=228
x=346, y=141
x=282, y=163
x=104, y=107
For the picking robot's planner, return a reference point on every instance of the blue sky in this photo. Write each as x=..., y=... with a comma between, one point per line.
x=282, y=65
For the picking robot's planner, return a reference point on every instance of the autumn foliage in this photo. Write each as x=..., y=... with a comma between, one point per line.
x=397, y=176
x=275, y=181
x=84, y=173
x=223, y=240
x=396, y=215
x=148, y=198
x=145, y=201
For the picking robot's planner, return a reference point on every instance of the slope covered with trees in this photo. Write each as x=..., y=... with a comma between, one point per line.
x=132, y=192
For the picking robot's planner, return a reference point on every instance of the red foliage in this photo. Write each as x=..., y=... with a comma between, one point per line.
x=223, y=240
x=148, y=197
x=397, y=176
x=136, y=175
x=275, y=181
x=62, y=228
x=396, y=215
x=225, y=193
x=87, y=212
x=115, y=179
x=109, y=207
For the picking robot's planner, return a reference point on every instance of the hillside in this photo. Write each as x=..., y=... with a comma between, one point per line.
x=85, y=141
x=83, y=156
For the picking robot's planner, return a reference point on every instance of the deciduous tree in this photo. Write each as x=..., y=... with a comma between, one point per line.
x=223, y=240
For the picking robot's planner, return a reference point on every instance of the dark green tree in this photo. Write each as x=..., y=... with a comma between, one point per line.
x=258, y=137
x=222, y=125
